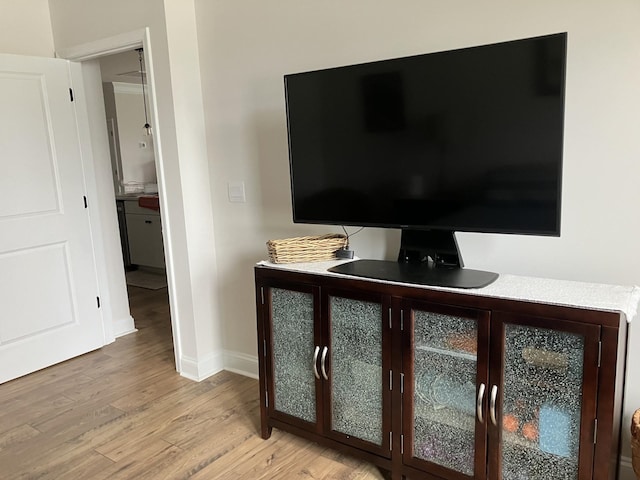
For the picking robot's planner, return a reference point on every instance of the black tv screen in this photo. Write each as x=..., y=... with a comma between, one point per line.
x=462, y=140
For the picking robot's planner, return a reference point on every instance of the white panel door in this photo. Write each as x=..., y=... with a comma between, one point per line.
x=49, y=308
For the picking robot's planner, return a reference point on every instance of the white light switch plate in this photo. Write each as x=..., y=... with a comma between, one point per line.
x=236, y=192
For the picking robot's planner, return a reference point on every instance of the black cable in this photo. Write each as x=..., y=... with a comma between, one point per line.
x=349, y=236
x=144, y=96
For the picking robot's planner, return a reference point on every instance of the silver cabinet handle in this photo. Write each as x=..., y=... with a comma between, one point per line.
x=322, y=363
x=315, y=362
x=479, y=402
x=492, y=405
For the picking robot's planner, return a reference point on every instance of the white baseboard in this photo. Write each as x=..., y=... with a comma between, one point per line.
x=241, y=363
x=124, y=326
x=625, y=471
x=235, y=362
x=201, y=369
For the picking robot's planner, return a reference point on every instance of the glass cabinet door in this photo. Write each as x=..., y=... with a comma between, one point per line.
x=447, y=382
x=542, y=400
x=292, y=325
x=356, y=394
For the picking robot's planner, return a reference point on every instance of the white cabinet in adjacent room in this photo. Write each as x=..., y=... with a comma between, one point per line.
x=144, y=232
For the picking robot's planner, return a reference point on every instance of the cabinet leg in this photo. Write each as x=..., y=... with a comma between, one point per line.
x=265, y=432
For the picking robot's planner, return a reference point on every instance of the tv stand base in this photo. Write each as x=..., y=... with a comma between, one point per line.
x=421, y=274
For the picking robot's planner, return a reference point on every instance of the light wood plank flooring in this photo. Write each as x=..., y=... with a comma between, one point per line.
x=123, y=412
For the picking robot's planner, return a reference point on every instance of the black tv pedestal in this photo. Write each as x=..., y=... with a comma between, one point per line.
x=417, y=273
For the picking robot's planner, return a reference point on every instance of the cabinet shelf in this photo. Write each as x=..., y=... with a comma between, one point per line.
x=516, y=440
x=445, y=416
x=451, y=353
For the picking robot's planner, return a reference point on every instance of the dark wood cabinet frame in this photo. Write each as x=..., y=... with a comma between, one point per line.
x=605, y=335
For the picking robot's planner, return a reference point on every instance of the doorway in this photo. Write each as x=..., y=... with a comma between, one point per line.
x=113, y=277
x=124, y=86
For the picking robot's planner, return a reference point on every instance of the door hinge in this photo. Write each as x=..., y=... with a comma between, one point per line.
x=265, y=347
x=599, y=352
x=402, y=383
x=391, y=380
x=71, y=94
x=84, y=197
x=401, y=320
x=98, y=301
x=402, y=444
x=262, y=295
x=266, y=398
x=390, y=326
x=595, y=430
x=390, y=441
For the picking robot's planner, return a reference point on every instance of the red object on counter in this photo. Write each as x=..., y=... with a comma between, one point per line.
x=152, y=202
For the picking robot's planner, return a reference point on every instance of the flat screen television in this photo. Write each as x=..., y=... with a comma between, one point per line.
x=466, y=140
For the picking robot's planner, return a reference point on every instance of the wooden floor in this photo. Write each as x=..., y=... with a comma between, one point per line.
x=123, y=412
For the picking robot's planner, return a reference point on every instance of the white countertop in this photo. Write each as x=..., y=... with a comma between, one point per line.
x=134, y=196
x=593, y=296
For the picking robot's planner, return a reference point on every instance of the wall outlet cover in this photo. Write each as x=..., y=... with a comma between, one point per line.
x=236, y=192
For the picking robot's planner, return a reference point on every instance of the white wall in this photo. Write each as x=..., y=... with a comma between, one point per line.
x=194, y=167
x=25, y=28
x=138, y=162
x=246, y=48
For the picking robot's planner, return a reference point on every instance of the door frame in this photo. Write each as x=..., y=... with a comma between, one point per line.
x=110, y=46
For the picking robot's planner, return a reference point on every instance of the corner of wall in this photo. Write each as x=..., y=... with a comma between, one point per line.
x=241, y=363
x=201, y=369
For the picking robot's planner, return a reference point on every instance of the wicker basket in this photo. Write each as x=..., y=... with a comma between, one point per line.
x=305, y=249
x=635, y=443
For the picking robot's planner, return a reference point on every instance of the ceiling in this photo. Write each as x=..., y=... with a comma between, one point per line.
x=121, y=67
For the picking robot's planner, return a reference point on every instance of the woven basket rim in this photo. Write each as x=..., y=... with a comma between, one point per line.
x=311, y=248
x=327, y=236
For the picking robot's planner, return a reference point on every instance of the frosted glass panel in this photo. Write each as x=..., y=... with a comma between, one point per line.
x=542, y=400
x=356, y=368
x=445, y=388
x=295, y=389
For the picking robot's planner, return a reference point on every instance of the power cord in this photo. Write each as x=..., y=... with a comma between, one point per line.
x=345, y=252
